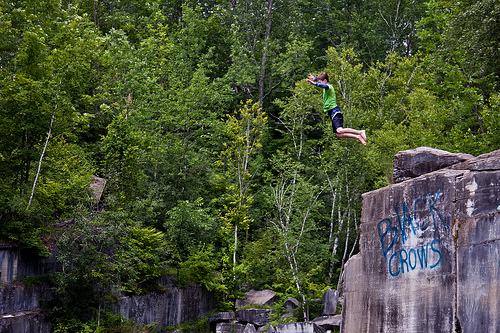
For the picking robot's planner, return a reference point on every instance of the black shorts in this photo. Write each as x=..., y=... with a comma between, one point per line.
x=337, y=118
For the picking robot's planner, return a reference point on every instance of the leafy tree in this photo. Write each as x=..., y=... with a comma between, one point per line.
x=461, y=56
x=43, y=79
x=266, y=53
x=180, y=112
x=90, y=269
x=144, y=259
x=294, y=191
x=188, y=225
x=373, y=29
x=390, y=101
x=241, y=163
x=295, y=200
x=99, y=254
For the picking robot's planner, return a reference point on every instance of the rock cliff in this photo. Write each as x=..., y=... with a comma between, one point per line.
x=429, y=256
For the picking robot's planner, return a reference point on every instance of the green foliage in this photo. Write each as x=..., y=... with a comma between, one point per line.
x=144, y=259
x=98, y=254
x=240, y=164
x=188, y=225
x=232, y=195
x=200, y=325
x=460, y=39
x=108, y=323
x=201, y=267
x=65, y=180
x=38, y=280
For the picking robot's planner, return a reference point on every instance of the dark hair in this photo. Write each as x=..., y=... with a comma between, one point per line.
x=322, y=76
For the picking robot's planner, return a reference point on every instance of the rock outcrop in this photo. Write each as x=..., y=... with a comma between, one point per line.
x=416, y=162
x=330, y=300
x=169, y=307
x=20, y=306
x=257, y=297
x=16, y=263
x=258, y=320
x=24, y=322
x=429, y=248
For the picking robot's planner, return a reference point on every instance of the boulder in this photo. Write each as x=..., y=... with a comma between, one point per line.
x=221, y=317
x=258, y=317
x=249, y=328
x=291, y=304
x=257, y=297
x=484, y=162
x=97, y=187
x=299, y=328
x=328, y=322
x=229, y=328
x=330, y=300
x=413, y=163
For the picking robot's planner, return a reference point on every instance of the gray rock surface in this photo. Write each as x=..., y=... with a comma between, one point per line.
x=429, y=252
x=97, y=188
x=291, y=304
x=16, y=298
x=221, y=316
x=257, y=297
x=258, y=317
x=249, y=328
x=416, y=162
x=328, y=322
x=299, y=328
x=229, y=328
x=266, y=329
x=16, y=264
x=25, y=322
x=330, y=300
x=168, y=308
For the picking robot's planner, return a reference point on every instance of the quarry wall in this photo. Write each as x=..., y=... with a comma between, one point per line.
x=429, y=256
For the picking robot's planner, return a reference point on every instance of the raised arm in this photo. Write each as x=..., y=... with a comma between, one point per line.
x=311, y=79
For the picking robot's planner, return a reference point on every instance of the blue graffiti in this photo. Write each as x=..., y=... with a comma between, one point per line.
x=405, y=219
x=408, y=223
x=409, y=260
x=383, y=235
x=433, y=209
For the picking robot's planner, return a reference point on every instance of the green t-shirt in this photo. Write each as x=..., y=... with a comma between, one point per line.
x=329, y=98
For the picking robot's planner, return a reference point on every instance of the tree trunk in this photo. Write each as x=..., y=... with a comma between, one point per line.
x=262, y=72
x=41, y=157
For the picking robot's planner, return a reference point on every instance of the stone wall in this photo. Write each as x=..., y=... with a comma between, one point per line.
x=169, y=307
x=20, y=306
x=25, y=322
x=429, y=256
x=16, y=263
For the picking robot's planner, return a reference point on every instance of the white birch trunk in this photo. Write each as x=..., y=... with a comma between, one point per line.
x=41, y=158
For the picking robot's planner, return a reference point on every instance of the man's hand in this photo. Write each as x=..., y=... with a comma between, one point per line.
x=311, y=82
x=310, y=76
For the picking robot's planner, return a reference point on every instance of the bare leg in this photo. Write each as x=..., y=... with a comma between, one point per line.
x=352, y=133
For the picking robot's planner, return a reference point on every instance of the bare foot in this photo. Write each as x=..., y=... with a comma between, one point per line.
x=363, y=141
x=363, y=135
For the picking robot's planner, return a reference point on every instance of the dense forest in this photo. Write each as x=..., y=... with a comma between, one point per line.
x=220, y=165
